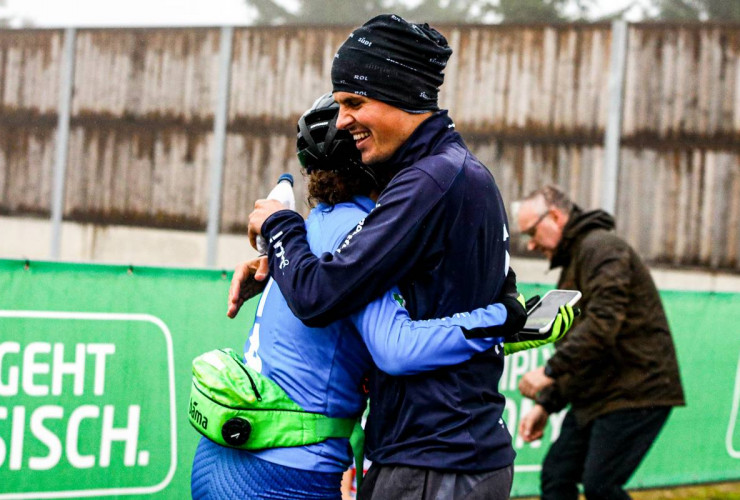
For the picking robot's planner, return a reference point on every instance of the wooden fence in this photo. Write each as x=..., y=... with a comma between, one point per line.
x=531, y=101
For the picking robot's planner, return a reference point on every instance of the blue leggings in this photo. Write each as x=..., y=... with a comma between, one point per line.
x=221, y=473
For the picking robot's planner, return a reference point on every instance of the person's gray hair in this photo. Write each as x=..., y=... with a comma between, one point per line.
x=553, y=196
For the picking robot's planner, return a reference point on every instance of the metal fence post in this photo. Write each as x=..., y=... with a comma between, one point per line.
x=613, y=132
x=66, y=85
x=220, y=122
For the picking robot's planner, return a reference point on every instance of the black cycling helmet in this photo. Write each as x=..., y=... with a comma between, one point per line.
x=321, y=145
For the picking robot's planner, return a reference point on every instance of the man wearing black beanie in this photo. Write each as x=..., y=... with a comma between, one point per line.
x=440, y=232
x=393, y=61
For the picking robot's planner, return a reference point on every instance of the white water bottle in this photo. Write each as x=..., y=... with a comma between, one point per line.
x=282, y=192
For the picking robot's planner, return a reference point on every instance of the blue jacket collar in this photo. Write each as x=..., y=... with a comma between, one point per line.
x=365, y=203
x=432, y=132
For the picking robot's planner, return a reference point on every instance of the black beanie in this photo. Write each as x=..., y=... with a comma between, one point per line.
x=393, y=61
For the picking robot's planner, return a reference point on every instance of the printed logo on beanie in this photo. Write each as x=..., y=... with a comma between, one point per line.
x=401, y=63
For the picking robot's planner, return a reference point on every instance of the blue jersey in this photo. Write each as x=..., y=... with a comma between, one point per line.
x=322, y=369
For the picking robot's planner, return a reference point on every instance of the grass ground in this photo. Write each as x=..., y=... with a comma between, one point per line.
x=714, y=491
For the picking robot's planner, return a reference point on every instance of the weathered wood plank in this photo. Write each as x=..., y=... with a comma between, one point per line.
x=531, y=101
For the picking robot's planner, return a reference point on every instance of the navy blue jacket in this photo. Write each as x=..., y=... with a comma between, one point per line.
x=439, y=232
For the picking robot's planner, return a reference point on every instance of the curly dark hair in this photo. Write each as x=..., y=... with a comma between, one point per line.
x=337, y=186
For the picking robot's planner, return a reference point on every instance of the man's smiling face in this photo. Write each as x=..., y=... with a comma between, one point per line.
x=378, y=129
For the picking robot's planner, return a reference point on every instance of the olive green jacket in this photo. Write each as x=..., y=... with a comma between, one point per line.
x=619, y=354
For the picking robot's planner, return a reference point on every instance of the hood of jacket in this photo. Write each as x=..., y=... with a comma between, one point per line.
x=579, y=224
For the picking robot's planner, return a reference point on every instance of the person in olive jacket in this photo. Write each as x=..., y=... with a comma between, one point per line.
x=617, y=367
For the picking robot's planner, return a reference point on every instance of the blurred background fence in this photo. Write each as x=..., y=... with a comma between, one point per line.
x=185, y=128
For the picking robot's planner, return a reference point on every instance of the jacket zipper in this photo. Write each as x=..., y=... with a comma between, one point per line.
x=209, y=398
x=251, y=380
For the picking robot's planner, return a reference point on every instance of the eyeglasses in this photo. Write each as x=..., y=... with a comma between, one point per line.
x=529, y=232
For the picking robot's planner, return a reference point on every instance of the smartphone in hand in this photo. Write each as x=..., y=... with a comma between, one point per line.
x=541, y=317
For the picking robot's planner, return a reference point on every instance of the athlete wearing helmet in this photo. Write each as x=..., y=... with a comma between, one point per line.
x=322, y=369
x=328, y=154
x=320, y=145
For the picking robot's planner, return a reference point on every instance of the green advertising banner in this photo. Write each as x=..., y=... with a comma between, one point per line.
x=95, y=378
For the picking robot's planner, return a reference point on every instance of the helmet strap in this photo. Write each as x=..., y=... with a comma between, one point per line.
x=306, y=134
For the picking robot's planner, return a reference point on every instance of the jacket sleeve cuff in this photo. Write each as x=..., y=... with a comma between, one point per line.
x=551, y=400
x=277, y=221
x=516, y=316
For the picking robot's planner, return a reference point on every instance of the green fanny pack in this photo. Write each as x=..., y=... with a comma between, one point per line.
x=233, y=405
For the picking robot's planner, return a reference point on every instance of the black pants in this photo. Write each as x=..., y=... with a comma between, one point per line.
x=396, y=482
x=601, y=455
